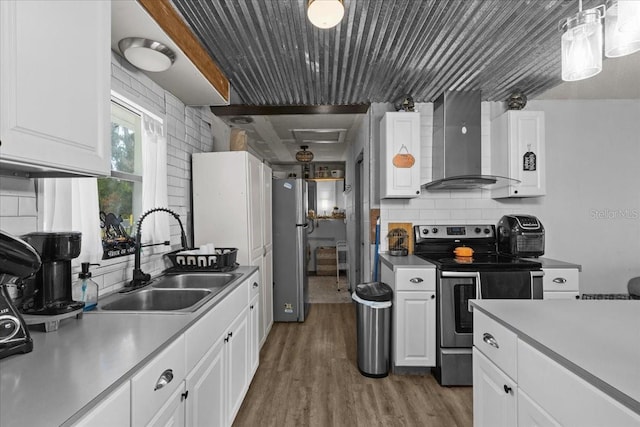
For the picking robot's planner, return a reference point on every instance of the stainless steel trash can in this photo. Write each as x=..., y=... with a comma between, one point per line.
x=373, y=312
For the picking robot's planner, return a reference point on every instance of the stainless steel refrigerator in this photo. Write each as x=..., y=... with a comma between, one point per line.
x=290, y=226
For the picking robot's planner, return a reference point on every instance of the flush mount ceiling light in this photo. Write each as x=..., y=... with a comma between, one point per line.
x=147, y=55
x=622, y=28
x=304, y=156
x=325, y=13
x=582, y=44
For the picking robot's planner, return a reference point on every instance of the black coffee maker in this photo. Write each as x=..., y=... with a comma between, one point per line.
x=49, y=293
x=18, y=260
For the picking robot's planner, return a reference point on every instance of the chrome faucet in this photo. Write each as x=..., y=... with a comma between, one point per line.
x=140, y=278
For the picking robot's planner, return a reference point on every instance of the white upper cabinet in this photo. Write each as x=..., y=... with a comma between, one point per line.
x=55, y=67
x=517, y=152
x=400, y=155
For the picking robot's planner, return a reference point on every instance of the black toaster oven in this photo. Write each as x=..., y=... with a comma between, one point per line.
x=521, y=236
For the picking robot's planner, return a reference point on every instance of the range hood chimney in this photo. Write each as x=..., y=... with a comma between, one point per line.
x=456, y=156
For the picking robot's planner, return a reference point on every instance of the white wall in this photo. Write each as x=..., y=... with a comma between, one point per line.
x=189, y=130
x=592, y=208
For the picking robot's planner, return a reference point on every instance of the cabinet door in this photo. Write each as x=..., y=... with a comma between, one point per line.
x=115, y=410
x=54, y=109
x=399, y=142
x=518, y=152
x=207, y=389
x=530, y=414
x=172, y=412
x=238, y=363
x=415, y=329
x=254, y=335
x=256, y=207
x=495, y=400
x=561, y=295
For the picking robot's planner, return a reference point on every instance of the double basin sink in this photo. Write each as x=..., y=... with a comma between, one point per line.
x=176, y=293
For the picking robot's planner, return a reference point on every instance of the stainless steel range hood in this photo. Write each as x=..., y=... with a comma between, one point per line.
x=456, y=155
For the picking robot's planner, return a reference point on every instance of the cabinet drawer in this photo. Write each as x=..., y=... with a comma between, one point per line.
x=254, y=285
x=147, y=393
x=560, y=280
x=416, y=279
x=496, y=342
x=201, y=336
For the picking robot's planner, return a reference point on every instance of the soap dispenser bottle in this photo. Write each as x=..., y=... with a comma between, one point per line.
x=85, y=289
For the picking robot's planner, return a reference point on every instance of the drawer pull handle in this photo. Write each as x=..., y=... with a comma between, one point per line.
x=489, y=339
x=507, y=389
x=416, y=280
x=164, y=379
x=559, y=280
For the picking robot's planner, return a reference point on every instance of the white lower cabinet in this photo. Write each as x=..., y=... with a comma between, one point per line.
x=413, y=342
x=201, y=378
x=495, y=399
x=415, y=329
x=254, y=341
x=207, y=388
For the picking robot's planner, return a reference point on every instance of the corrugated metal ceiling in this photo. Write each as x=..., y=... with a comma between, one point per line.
x=382, y=49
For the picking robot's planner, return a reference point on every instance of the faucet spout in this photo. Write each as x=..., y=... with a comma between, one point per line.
x=140, y=278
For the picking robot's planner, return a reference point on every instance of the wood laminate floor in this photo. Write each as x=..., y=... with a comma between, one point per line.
x=308, y=376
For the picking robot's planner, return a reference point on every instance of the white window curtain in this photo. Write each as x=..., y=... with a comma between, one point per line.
x=155, y=228
x=71, y=204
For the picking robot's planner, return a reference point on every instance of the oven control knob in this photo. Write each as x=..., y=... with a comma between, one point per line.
x=425, y=231
x=487, y=231
x=434, y=230
x=478, y=230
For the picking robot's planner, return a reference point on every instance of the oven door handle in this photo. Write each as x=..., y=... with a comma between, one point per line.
x=459, y=274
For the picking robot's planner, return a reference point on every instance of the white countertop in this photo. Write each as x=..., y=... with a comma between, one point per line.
x=599, y=340
x=554, y=263
x=71, y=369
x=404, y=261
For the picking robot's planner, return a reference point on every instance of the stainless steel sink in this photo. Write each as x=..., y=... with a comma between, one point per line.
x=170, y=293
x=194, y=280
x=159, y=300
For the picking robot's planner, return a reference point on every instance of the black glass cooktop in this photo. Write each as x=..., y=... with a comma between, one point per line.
x=484, y=262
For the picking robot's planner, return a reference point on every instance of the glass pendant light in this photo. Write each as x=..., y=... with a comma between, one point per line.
x=304, y=156
x=582, y=44
x=622, y=28
x=325, y=13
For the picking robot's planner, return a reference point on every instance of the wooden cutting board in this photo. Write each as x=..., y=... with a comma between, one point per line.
x=406, y=226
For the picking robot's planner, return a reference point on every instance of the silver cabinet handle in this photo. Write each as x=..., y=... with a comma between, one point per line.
x=416, y=280
x=164, y=379
x=559, y=280
x=489, y=339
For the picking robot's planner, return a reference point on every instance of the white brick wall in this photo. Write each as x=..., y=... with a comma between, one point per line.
x=189, y=130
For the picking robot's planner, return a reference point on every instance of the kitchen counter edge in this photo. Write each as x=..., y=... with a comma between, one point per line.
x=394, y=262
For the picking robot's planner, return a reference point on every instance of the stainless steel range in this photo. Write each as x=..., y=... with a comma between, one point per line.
x=485, y=274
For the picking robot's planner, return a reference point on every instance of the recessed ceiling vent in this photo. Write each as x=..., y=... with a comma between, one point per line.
x=319, y=136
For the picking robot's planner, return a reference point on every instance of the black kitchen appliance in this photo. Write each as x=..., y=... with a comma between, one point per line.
x=18, y=260
x=520, y=236
x=484, y=275
x=49, y=293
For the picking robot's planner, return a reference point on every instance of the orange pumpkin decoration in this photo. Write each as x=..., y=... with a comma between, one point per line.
x=403, y=160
